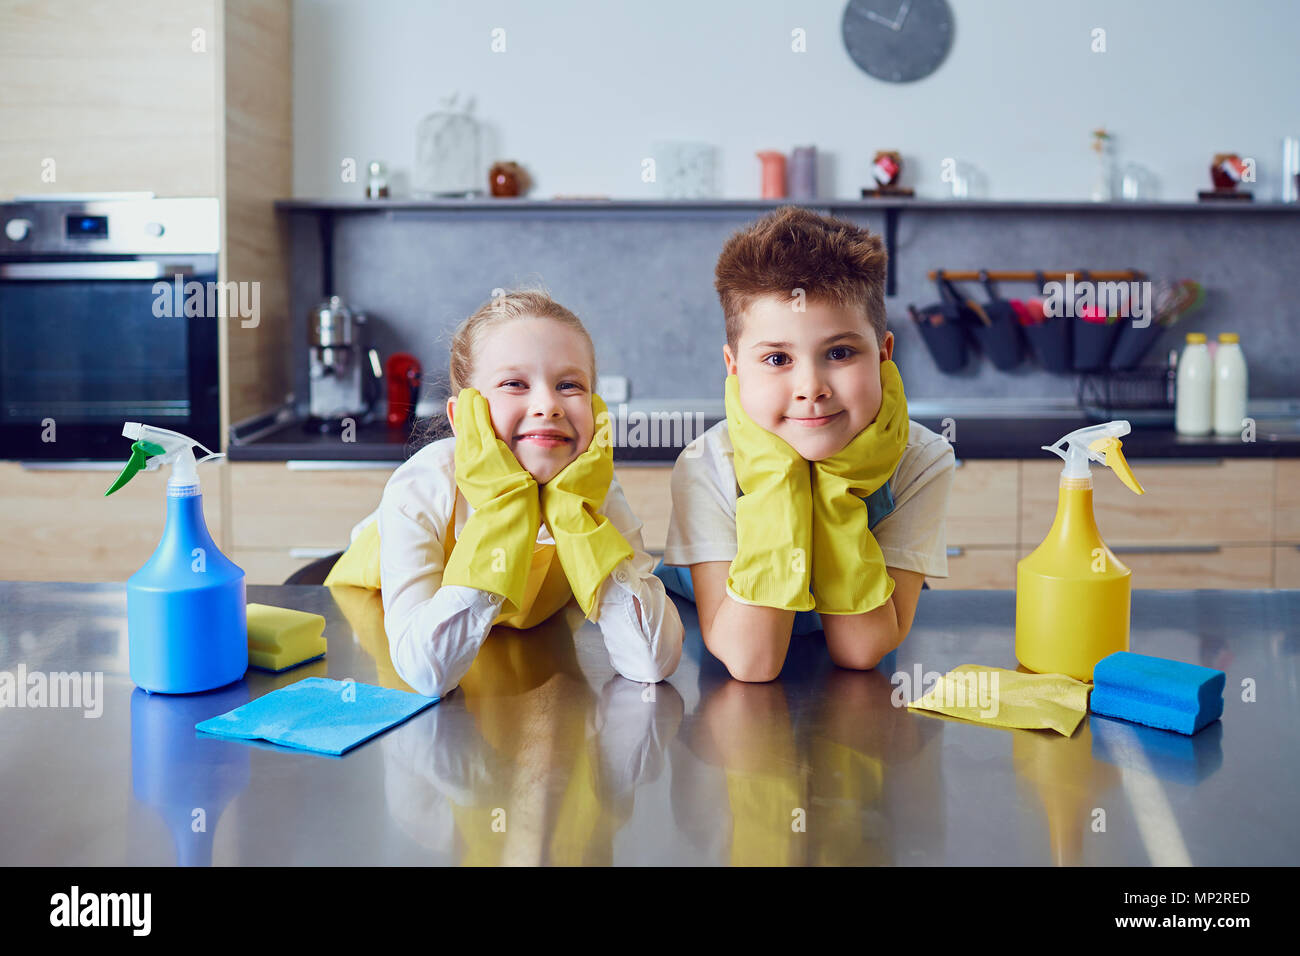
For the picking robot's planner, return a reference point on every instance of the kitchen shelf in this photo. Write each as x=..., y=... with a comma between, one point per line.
x=327, y=209
x=726, y=205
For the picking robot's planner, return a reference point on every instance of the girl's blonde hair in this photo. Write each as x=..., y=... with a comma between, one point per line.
x=507, y=307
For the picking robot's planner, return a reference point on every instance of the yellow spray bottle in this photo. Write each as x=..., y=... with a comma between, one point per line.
x=1072, y=593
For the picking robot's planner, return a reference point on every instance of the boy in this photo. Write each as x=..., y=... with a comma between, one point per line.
x=816, y=494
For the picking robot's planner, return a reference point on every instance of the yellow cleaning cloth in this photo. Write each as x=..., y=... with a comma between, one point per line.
x=1003, y=698
x=279, y=638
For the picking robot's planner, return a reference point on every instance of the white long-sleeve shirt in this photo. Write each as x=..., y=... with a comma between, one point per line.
x=435, y=631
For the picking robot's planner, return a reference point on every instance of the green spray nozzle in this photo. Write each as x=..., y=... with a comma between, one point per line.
x=154, y=447
x=141, y=452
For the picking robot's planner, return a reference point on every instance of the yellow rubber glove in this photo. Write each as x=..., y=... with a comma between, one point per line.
x=586, y=542
x=494, y=551
x=773, y=517
x=848, y=569
x=358, y=566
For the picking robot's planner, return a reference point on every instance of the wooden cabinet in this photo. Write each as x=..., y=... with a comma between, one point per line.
x=273, y=566
x=983, y=506
x=648, y=489
x=1212, y=566
x=59, y=526
x=978, y=568
x=1286, y=501
x=1201, y=524
x=103, y=97
x=1286, y=566
x=1186, y=502
x=286, y=514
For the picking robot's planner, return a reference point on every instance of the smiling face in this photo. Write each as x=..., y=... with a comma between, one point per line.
x=813, y=377
x=536, y=375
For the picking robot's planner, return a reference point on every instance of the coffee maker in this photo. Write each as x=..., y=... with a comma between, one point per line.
x=345, y=374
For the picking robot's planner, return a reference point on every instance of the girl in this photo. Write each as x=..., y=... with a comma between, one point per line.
x=517, y=513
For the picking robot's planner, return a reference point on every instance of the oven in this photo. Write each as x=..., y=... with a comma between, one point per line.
x=109, y=312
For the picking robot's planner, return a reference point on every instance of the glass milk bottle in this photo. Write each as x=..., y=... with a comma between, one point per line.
x=1229, y=385
x=1194, y=400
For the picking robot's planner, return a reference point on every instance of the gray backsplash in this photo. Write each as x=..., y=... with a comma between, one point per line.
x=642, y=282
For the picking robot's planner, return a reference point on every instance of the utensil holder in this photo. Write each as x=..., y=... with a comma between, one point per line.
x=947, y=344
x=1093, y=342
x=1001, y=341
x=1146, y=389
x=1050, y=341
x=1133, y=343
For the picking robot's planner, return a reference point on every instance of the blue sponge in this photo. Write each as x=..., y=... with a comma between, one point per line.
x=1171, y=695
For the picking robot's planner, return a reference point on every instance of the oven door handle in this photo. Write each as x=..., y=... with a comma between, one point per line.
x=123, y=269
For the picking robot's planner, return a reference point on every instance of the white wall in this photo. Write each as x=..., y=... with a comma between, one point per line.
x=586, y=86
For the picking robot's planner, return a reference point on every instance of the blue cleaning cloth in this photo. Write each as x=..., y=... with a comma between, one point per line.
x=318, y=714
x=880, y=504
x=1171, y=695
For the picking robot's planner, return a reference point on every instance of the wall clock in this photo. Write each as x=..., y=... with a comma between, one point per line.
x=897, y=41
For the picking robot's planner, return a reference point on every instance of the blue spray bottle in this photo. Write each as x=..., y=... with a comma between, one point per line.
x=185, y=609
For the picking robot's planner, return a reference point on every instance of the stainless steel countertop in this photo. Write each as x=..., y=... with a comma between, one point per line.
x=544, y=755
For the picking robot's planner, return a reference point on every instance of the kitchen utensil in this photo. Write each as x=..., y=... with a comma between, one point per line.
x=773, y=173
x=344, y=373
x=803, y=173
x=999, y=336
x=506, y=179
x=1049, y=337
x=376, y=181
x=447, y=152
x=1290, y=169
x=403, y=374
x=685, y=170
x=944, y=331
x=1093, y=333
x=1133, y=341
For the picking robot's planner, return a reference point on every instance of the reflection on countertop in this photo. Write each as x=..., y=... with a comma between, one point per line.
x=545, y=756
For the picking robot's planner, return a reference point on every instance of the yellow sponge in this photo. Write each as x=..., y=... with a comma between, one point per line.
x=280, y=638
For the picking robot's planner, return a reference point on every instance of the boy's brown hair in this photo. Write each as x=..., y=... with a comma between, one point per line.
x=834, y=261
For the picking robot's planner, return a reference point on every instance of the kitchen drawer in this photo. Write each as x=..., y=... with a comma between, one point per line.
x=1286, y=500
x=1210, y=567
x=1286, y=566
x=1223, y=502
x=983, y=503
x=281, y=505
x=60, y=527
x=648, y=489
x=978, y=568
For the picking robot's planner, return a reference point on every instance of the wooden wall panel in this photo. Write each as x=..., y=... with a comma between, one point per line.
x=114, y=93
